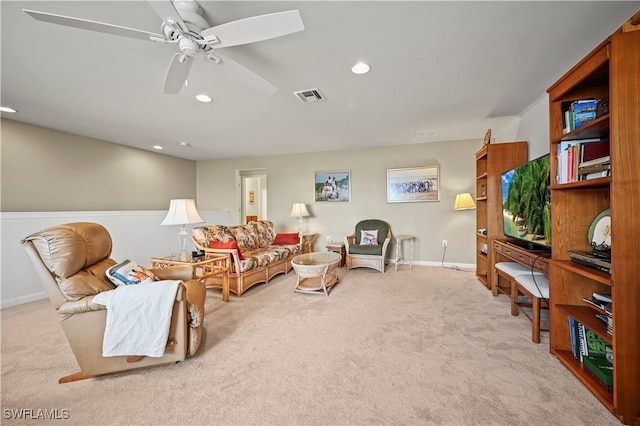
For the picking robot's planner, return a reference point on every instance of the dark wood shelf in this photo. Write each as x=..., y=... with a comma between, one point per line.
x=598, y=128
x=579, y=370
x=602, y=182
x=585, y=271
x=587, y=316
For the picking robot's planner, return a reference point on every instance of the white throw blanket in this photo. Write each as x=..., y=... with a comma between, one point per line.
x=138, y=318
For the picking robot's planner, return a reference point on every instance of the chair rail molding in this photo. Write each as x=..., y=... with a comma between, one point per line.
x=137, y=235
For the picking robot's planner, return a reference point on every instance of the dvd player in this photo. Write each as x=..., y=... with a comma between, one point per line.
x=587, y=259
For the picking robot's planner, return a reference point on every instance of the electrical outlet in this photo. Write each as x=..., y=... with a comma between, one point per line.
x=444, y=243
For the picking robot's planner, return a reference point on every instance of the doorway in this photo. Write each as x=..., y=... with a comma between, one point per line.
x=252, y=197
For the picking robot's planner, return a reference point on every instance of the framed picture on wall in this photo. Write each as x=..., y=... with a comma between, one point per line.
x=413, y=184
x=332, y=187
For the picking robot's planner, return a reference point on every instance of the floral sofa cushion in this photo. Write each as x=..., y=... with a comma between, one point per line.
x=205, y=234
x=262, y=257
x=266, y=234
x=246, y=236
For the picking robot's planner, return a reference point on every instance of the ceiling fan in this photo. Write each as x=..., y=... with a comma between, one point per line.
x=184, y=25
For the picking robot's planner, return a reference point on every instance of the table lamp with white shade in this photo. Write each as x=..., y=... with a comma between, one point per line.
x=182, y=212
x=300, y=211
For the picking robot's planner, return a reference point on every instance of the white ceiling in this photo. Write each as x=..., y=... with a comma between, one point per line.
x=457, y=68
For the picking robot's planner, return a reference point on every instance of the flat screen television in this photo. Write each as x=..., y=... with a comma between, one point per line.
x=526, y=205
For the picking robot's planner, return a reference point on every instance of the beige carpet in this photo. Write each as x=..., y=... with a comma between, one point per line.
x=428, y=346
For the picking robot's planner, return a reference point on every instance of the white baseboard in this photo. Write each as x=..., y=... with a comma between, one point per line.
x=448, y=265
x=23, y=299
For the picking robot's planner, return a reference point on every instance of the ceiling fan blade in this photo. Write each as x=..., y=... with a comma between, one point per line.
x=86, y=24
x=167, y=11
x=243, y=74
x=177, y=73
x=254, y=29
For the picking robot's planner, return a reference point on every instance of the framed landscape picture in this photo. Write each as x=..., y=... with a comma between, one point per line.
x=333, y=187
x=413, y=184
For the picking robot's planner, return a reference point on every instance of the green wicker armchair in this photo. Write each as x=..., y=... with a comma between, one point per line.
x=367, y=246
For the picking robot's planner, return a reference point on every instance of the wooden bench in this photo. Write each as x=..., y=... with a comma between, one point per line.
x=536, y=288
x=508, y=271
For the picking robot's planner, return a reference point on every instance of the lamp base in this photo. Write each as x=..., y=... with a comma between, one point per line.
x=182, y=244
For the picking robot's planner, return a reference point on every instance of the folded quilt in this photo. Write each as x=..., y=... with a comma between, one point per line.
x=138, y=318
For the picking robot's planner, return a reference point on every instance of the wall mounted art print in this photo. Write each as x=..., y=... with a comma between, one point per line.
x=413, y=184
x=334, y=187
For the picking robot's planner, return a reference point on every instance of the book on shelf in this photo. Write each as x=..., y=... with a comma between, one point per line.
x=595, y=150
x=578, y=113
x=584, y=111
x=599, y=304
x=585, y=343
x=594, y=175
x=601, y=370
x=582, y=159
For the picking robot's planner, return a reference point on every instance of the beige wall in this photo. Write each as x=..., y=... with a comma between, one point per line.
x=49, y=170
x=290, y=179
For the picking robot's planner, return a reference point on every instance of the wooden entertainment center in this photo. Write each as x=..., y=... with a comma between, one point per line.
x=611, y=70
x=611, y=74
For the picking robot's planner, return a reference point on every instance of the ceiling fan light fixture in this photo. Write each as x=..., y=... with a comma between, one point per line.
x=360, y=68
x=203, y=98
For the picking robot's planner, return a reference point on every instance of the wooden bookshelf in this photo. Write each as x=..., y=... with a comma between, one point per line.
x=611, y=69
x=491, y=161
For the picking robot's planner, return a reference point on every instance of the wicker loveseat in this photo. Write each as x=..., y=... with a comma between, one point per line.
x=257, y=253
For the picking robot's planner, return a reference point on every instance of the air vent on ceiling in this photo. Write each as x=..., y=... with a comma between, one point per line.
x=309, y=95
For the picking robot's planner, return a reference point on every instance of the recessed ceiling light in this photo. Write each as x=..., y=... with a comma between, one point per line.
x=7, y=109
x=184, y=144
x=360, y=68
x=203, y=98
x=158, y=147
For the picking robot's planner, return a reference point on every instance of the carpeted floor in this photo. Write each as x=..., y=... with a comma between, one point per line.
x=427, y=346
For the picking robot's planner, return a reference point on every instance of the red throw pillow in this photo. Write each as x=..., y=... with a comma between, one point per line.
x=229, y=245
x=286, y=239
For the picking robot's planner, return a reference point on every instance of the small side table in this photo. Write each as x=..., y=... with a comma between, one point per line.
x=338, y=247
x=308, y=241
x=202, y=268
x=399, y=240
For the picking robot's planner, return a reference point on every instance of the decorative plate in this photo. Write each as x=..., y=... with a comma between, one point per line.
x=600, y=229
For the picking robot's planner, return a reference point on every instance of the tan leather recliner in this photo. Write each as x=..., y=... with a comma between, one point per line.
x=71, y=260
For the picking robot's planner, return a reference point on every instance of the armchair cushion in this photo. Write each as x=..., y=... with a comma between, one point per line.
x=369, y=237
x=366, y=249
x=87, y=282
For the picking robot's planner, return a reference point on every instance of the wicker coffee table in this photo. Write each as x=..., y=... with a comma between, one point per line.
x=316, y=271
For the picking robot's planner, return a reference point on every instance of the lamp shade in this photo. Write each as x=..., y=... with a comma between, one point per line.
x=182, y=212
x=464, y=201
x=299, y=210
